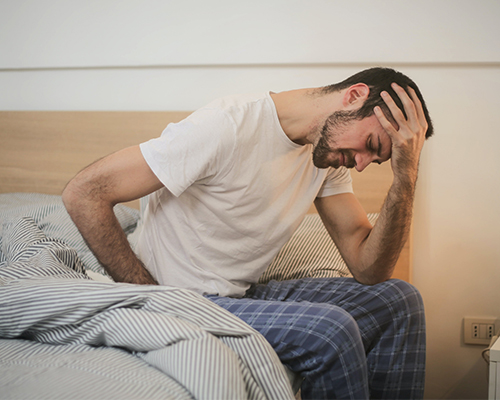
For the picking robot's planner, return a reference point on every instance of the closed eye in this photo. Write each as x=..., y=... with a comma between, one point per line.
x=371, y=149
x=369, y=145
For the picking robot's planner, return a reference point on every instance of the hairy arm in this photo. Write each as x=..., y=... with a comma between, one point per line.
x=372, y=252
x=90, y=197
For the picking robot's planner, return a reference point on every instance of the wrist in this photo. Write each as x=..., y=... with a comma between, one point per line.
x=406, y=175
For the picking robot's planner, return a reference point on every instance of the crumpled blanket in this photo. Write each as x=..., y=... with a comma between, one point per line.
x=46, y=297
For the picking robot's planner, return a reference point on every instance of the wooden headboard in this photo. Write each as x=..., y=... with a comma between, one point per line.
x=42, y=150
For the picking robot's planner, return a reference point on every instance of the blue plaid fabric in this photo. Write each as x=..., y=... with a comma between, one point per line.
x=347, y=340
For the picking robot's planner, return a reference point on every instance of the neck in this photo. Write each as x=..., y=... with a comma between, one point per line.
x=303, y=112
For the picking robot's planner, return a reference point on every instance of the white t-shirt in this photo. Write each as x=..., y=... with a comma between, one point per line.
x=236, y=188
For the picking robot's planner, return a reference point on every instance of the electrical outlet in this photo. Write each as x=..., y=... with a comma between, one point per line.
x=480, y=330
x=490, y=331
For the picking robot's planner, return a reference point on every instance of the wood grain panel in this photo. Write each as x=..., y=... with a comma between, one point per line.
x=42, y=151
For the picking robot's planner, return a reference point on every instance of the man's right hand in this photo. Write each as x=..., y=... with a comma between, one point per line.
x=409, y=137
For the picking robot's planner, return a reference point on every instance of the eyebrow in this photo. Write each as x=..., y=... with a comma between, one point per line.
x=379, y=149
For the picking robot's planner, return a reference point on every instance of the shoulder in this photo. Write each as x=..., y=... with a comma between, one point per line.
x=239, y=101
x=237, y=116
x=241, y=107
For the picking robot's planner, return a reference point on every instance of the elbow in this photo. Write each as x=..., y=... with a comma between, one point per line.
x=70, y=196
x=373, y=270
x=370, y=281
x=75, y=199
x=85, y=195
x=373, y=275
x=77, y=195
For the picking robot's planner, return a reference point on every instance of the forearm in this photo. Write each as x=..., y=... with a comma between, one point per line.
x=101, y=230
x=381, y=248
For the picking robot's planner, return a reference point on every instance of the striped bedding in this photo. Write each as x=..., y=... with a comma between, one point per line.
x=310, y=253
x=64, y=335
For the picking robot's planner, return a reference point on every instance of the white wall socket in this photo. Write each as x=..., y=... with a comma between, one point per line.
x=480, y=330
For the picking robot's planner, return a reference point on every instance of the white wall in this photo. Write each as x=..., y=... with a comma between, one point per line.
x=456, y=235
x=177, y=55
x=61, y=33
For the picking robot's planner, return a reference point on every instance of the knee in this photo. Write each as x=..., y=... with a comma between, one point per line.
x=336, y=338
x=325, y=341
x=334, y=326
x=408, y=292
x=317, y=326
x=404, y=296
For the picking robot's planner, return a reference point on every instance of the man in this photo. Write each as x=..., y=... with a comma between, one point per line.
x=230, y=184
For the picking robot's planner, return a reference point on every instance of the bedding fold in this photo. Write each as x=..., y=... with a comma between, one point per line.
x=46, y=297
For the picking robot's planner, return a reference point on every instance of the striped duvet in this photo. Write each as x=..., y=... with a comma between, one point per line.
x=63, y=335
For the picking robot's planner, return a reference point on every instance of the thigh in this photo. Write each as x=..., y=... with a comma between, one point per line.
x=294, y=329
x=345, y=293
x=374, y=308
x=317, y=290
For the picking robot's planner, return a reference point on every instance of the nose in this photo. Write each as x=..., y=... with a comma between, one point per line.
x=362, y=161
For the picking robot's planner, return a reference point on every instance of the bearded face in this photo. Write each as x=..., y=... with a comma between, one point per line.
x=326, y=152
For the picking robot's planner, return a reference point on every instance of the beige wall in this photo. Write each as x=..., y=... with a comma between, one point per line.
x=457, y=223
x=177, y=55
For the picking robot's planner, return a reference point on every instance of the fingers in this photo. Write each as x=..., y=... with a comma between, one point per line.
x=407, y=133
x=386, y=124
x=415, y=117
x=396, y=112
x=418, y=107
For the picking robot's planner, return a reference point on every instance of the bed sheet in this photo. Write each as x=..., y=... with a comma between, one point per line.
x=64, y=335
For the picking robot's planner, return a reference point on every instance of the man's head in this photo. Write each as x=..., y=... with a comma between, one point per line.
x=378, y=80
x=343, y=143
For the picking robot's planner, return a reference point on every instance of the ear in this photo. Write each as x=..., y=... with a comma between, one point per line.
x=355, y=95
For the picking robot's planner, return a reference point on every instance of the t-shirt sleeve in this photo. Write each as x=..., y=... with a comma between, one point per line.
x=337, y=181
x=191, y=150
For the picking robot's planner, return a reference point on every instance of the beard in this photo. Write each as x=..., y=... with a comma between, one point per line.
x=334, y=128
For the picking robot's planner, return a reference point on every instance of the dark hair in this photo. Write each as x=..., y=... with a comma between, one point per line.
x=379, y=79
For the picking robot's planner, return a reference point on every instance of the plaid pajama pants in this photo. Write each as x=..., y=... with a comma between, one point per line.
x=347, y=340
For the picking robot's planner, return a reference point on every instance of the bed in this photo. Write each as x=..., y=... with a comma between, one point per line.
x=68, y=331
